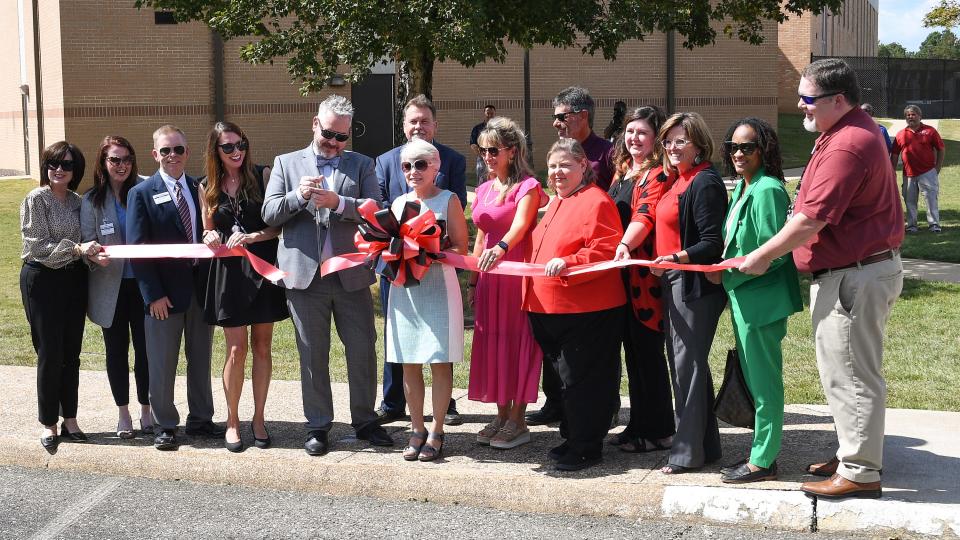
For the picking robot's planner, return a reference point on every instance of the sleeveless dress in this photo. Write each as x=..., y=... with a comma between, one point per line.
x=236, y=294
x=505, y=361
x=425, y=322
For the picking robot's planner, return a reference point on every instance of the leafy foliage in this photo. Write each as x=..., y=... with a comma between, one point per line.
x=945, y=15
x=939, y=45
x=893, y=50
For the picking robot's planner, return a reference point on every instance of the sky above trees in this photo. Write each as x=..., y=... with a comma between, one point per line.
x=901, y=21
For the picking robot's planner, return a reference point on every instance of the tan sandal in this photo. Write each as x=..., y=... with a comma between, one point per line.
x=488, y=432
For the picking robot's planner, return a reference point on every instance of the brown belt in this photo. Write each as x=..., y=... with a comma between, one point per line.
x=878, y=257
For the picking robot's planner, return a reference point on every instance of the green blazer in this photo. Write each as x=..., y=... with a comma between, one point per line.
x=759, y=300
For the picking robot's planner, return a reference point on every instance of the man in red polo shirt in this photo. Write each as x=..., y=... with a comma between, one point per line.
x=922, y=150
x=846, y=230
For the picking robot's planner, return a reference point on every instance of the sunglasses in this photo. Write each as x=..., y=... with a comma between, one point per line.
x=229, y=147
x=65, y=164
x=747, y=148
x=331, y=134
x=810, y=99
x=114, y=160
x=493, y=151
x=420, y=165
x=178, y=150
x=562, y=117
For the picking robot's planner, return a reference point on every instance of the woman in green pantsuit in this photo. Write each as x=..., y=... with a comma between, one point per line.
x=759, y=305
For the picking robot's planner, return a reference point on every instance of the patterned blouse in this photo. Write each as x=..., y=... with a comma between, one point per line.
x=50, y=227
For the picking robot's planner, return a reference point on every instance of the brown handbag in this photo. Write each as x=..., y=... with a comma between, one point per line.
x=734, y=403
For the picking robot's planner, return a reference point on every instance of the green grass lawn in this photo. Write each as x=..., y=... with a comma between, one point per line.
x=920, y=358
x=796, y=142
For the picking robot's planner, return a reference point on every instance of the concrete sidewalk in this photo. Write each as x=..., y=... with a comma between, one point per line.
x=921, y=473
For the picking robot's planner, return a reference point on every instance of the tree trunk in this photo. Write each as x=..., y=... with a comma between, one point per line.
x=414, y=77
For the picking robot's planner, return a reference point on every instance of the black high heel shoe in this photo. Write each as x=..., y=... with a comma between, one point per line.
x=261, y=443
x=76, y=436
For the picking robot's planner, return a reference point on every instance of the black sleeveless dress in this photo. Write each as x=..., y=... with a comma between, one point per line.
x=236, y=294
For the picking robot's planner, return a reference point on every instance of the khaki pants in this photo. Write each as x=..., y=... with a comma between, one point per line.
x=850, y=309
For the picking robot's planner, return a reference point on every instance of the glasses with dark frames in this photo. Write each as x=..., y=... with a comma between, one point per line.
x=420, y=165
x=747, y=148
x=809, y=100
x=115, y=160
x=562, y=117
x=493, y=150
x=65, y=164
x=331, y=134
x=229, y=148
x=178, y=150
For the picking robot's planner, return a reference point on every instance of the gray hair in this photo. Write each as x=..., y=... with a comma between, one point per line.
x=913, y=108
x=419, y=149
x=578, y=99
x=336, y=104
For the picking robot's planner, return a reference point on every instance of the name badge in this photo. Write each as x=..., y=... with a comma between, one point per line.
x=106, y=228
x=161, y=198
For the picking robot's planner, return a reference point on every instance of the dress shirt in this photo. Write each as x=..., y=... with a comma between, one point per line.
x=50, y=227
x=171, y=183
x=326, y=250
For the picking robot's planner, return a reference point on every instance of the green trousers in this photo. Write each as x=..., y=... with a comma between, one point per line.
x=761, y=358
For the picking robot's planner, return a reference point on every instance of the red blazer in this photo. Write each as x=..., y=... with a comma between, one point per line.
x=580, y=229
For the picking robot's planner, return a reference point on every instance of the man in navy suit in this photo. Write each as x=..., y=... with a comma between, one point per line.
x=165, y=209
x=419, y=121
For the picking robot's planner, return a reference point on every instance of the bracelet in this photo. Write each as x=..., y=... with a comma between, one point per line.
x=624, y=244
x=504, y=246
x=676, y=258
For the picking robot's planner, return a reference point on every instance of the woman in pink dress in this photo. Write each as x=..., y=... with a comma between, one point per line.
x=505, y=362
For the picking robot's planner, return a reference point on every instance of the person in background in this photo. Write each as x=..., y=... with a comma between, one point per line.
x=689, y=223
x=922, y=151
x=613, y=129
x=239, y=299
x=759, y=305
x=505, y=359
x=53, y=287
x=868, y=108
x=115, y=302
x=489, y=112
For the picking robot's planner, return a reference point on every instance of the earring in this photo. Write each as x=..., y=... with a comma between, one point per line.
x=698, y=160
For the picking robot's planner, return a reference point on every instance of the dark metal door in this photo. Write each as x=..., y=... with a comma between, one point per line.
x=373, y=115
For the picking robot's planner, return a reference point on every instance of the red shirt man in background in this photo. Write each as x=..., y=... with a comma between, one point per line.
x=922, y=150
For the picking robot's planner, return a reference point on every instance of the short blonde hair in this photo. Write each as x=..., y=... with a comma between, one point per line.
x=572, y=147
x=419, y=149
x=167, y=129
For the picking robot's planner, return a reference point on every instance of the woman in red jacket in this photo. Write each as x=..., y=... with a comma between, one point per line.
x=577, y=320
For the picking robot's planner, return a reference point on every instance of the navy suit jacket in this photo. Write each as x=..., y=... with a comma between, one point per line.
x=451, y=177
x=152, y=223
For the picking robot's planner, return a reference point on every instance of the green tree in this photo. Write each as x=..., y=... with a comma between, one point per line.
x=939, y=45
x=893, y=50
x=945, y=15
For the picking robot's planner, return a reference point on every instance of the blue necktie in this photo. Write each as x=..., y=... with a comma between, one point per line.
x=323, y=162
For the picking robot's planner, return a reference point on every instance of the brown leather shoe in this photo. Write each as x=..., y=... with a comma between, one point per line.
x=838, y=487
x=825, y=470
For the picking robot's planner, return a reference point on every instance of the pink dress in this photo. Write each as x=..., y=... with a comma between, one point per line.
x=505, y=361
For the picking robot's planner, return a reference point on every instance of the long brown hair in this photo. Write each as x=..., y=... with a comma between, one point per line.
x=101, y=178
x=249, y=188
x=652, y=115
x=504, y=132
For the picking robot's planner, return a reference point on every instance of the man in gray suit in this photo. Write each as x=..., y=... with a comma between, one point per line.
x=313, y=194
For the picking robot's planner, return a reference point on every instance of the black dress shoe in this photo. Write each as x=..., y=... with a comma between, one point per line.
x=452, y=418
x=76, y=436
x=50, y=442
x=574, y=461
x=546, y=415
x=743, y=474
x=206, y=429
x=558, y=452
x=385, y=417
x=316, y=444
x=726, y=469
x=165, y=439
x=375, y=434
x=261, y=443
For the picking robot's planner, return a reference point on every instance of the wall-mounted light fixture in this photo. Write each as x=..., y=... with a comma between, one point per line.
x=337, y=80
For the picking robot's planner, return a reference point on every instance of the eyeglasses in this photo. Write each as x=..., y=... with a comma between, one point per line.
x=747, y=148
x=810, y=99
x=65, y=164
x=562, y=117
x=178, y=150
x=331, y=134
x=493, y=151
x=114, y=160
x=228, y=148
x=420, y=165
x=679, y=144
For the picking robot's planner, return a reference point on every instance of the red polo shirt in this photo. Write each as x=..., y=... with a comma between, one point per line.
x=917, y=147
x=850, y=184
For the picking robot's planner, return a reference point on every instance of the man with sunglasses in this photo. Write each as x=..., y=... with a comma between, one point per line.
x=419, y=121
x=922, y=150
x=165, y=209
x=313, y=194
x=846, y=230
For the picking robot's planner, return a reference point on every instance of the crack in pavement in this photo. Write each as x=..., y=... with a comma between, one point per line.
x=77, y=509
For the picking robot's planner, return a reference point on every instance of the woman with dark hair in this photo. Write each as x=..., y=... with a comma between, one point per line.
x=577, y=320
x=53, y=286
x=638, y=183
x=505, y=359
x=759, y=305
x=238, y=298
x=115, y=302
x=612, y=131
x=689, y=222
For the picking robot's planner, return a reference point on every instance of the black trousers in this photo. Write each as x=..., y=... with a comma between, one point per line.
x=584, y=349
x=127, y=323
x=55, y=302
x=550, y=383
x=648, y=378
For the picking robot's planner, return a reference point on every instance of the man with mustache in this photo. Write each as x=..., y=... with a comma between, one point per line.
x=922, y=150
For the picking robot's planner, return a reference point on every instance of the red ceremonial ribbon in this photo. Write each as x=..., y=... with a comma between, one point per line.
x=193, y=251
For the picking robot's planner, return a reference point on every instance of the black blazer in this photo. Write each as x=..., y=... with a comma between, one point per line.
x=152, y=223
x=703, y=207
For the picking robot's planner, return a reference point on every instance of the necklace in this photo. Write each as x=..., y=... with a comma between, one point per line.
x=496, y=189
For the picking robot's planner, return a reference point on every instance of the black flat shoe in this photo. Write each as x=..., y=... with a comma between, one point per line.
x=76, y=436
x=726, y=469
x=743, y=474
x=235, y=447
x=261, y=443
x=50, y=442
x=165, y=439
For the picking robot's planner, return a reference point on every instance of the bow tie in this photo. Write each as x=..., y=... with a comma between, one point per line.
x=323, y=162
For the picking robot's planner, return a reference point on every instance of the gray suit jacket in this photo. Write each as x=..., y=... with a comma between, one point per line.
x=301, y=236
x=103, y=284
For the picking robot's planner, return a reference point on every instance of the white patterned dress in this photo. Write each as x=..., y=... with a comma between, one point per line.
x=425, y=322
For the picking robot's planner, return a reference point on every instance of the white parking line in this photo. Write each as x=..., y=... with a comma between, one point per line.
x=74, y=511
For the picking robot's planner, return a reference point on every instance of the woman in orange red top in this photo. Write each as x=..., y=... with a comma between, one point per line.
x=638, y=183
x=577, y=319
x=689, y=223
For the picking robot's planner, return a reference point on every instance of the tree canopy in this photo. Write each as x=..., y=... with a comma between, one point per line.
x=893, y=50
x=317, y=38
x=939, y=45
x=945, y=15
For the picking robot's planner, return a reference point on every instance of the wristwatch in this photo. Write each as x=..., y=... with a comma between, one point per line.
x=504, y=246
x=676, y=258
